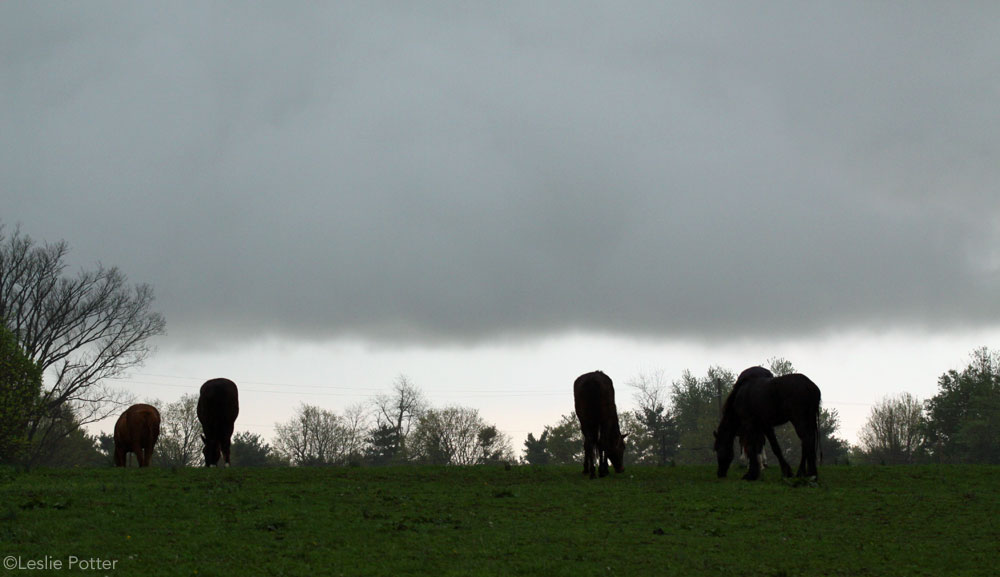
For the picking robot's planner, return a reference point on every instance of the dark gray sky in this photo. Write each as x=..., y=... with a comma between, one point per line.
x=448, y=172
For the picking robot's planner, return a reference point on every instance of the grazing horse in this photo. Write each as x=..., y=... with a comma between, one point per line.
x=136, y=431
x=757, y=404
x=752, y=374
x=218, y=406
x=594, y=396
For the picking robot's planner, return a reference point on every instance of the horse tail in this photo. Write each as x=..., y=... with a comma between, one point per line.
x=152, y=431
x=819, y=447
x=152, y=434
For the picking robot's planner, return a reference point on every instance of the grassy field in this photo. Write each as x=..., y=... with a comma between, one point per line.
x=939, y=520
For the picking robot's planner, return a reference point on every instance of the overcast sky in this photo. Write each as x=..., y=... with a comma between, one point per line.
x=449, y=183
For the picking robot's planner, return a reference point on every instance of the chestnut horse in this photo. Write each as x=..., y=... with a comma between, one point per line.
x=136, y=431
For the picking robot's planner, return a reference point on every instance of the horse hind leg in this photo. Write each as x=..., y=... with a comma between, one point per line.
x=753, y=449
x=136, y=448
x=602, y=458
x=588, y=457
x=807, y=464
x=786, y=469
x=817, y=452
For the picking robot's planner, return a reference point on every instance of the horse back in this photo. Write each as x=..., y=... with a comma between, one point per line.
x=218, y=407
x=594, y=398
x=792, y=397
x=137, y=424
x=797, y=387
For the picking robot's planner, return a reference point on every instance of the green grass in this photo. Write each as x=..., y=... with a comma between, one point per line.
x=935, y=520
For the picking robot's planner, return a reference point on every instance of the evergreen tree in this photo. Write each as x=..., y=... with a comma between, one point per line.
x=250, y=450
x=963, y=419
x=535, y=452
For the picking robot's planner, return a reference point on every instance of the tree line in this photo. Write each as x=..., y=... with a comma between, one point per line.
x=960, y=424
x=80, y=331
x=395, y=428
x=672, y=423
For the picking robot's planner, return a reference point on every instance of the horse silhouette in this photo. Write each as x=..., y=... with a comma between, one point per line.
x=218, y=407
x=759, y=402
x=136, y=431
x=594, y=397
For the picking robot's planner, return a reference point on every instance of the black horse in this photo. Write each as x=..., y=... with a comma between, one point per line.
x=594, y=398
x=758, y=403
x=218, y=407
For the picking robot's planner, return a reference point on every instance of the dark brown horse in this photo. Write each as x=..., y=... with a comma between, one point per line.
x=136, y=431
x=218, y=407
x=751, y=374
x=758, y=403
x=594, y=396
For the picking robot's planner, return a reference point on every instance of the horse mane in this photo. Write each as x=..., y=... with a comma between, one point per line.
x=749, y=375
x=727, y=407
x=728, y=415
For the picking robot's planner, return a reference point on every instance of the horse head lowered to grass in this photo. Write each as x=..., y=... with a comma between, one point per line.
x=758, y=403
x=594, y=399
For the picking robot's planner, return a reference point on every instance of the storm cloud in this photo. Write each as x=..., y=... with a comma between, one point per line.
x=455, y=172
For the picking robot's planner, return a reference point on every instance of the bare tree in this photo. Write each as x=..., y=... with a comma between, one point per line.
x=355, y=423
x=398, y=411
x=80, y=330
x=655, y=440
x=780, y=366
x=894, y=431
x=458, y=436
x=314, y=436
x=180, y=433
x=650, y=390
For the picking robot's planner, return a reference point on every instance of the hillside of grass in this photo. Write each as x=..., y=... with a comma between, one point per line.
x=933, y=520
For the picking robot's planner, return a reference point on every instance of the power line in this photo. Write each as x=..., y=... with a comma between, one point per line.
x=359, y=390
x=369, y=392
x=252, y=382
